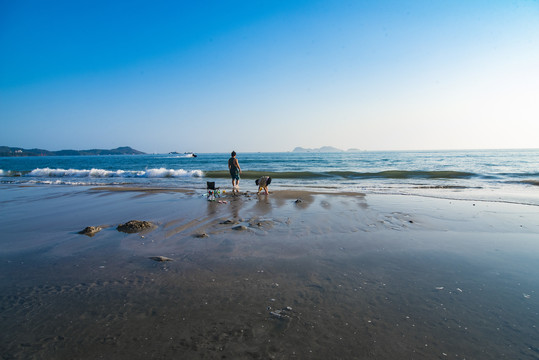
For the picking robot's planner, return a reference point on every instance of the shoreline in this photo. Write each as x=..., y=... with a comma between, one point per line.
x=288, y=194
x=365, y=276
x=286, y=191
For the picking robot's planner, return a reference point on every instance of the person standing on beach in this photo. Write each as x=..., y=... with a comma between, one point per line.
x=235, y=170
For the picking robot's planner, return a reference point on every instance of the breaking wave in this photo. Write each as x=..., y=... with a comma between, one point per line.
x=530, y=182
x=391, y=174
x=101, y=173
x=73, y=183
x=405, y=174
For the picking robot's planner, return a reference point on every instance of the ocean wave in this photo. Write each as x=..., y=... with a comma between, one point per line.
x=521, y=175
x=71, y=183
x=389, y=174
x=219, y=174
x=101, y=173
x=447, y=187
x=530, y=182
x=9, y=173
x=405, y=174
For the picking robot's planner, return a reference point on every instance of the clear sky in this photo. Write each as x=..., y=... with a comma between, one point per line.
x=269, y=75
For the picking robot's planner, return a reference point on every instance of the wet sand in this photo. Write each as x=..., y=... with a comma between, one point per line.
x=331, y=276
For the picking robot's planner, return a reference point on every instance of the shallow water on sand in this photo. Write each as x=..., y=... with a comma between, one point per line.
x=500, y=175
x=363, y=277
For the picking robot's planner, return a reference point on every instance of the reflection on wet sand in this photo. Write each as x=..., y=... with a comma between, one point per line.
x=333, y=276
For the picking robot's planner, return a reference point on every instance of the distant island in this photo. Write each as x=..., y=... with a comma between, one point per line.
x=321, y=149
x=325, y=149
x=7, y=151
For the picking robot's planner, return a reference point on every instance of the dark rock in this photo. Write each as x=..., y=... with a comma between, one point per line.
x=134, y=226
x=91, y=230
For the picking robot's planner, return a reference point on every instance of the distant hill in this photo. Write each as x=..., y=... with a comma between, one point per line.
x=14, y=151
x=322, y=149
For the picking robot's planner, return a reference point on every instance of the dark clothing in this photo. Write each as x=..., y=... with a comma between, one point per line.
x=234, y=171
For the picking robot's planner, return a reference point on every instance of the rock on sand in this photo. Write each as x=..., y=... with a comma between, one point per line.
x=160, y=258
x=240, y=227
x=91, y=230
x=134, y=226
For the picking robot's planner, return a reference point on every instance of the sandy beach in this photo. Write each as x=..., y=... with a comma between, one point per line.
x=290, y=275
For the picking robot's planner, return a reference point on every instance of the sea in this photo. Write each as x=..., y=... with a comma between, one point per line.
x=401, y=272
x=492, y=175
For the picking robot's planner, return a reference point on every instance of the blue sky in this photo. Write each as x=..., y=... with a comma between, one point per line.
x=269, y=75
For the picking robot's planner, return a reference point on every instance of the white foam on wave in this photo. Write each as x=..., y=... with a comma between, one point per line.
x=63, y=182
x=47, y=172
x=101, y=173
x=9, y=173
x=162, y=172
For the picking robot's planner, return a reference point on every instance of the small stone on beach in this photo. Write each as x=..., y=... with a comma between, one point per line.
x=277, y=314
x=91, y=230
x=229, y=222
x=240, y=227
x=160, y=258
